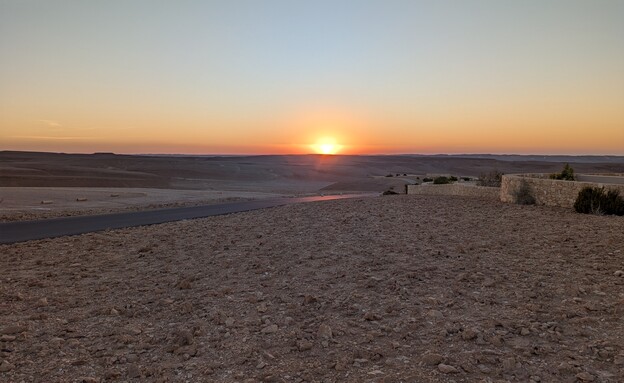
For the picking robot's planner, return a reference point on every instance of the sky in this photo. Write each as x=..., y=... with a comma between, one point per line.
x=294, y=77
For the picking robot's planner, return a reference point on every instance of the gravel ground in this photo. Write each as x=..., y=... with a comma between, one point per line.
x=393, y=289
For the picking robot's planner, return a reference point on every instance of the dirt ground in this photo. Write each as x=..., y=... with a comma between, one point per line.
x=389, y=289
x=27, y=203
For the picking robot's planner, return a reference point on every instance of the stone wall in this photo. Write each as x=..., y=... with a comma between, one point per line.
x=546, y=191
x=466, y=190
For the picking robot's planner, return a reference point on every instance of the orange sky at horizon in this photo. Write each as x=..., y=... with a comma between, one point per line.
x=407, y=77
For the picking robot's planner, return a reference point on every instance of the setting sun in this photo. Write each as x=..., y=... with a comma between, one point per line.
x=326, y=146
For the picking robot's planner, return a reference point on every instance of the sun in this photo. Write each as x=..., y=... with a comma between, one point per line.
x=326, y=145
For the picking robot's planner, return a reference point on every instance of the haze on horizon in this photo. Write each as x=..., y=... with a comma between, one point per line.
x=290, y=77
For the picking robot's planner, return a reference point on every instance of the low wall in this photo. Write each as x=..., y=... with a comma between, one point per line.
x=547, y=191
x=455, y=189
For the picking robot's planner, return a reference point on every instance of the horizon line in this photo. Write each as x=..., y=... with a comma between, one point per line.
x=318, y=154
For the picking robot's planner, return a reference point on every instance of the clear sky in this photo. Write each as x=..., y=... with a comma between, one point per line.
x=386, y=76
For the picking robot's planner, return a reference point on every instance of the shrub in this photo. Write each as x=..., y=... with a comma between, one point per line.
x=427, y=179
x=465, y=179
x=389, y=192
x=453, y=179
x=492, y=179
x=441, y=180
x=595, y=200
x=567, y=174
x=389, y=175
x=524, y=194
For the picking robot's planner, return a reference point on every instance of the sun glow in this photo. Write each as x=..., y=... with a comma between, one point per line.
x=326, y=145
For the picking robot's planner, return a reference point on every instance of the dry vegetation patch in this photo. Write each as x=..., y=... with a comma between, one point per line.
x=403, y=289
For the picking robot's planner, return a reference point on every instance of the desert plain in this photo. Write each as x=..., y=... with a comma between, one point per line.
x=399, y=288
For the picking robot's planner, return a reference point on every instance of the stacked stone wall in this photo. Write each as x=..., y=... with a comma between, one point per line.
x=456, y=190
x=547, y=191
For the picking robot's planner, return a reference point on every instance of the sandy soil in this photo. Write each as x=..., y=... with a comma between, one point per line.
x=23, y=203
x=393, y=289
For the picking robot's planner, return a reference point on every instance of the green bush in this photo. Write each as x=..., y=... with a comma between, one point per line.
x=567, y=174
x=389, y=192
x=596, y=200
x=524, y=194
x=441, y=180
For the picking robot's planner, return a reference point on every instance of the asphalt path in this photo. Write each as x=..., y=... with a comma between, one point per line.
x=12, y=232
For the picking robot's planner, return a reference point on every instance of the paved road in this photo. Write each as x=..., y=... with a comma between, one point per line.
x=11, y=232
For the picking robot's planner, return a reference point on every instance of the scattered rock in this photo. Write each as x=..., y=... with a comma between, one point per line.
x=87, y=379
x=435, y=314
x=447, y=369
x=6, y=366
x=469, y=334
x=619, y=273
x=270, y=329
x=432, y=359
x=7, y=338
x=524, y=331
x=42, y=302
x=304, y=345
x=184, y=284
x=585, y=376
x=14, y=329
x=325, y=332
x=262, y=307
x=133, y=371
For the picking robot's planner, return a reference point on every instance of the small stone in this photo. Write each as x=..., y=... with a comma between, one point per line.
x=270, y=329
x=524, y=331
x=261, y=365
x=469, y=334
x=435, y=314
x=535, y=378
x=585, y=376
x=133, y=371
x=229, y=322
x=565, y=368
x=42, y=302
x=369, y=316
x=325, y=331
x=133, y=330
x=262, y=307
x=14, y=329
x=304, y=345
x=619, y=273
x=114, y=312
x=184, y=284
x=432, y=359
x=87, y=379
x=309, y=299
x=7, y=338
x=447, y=369
x=6, y=366
x=509, y=365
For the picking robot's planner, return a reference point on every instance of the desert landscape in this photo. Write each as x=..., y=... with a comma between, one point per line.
x=398, y=288
x=48, y=185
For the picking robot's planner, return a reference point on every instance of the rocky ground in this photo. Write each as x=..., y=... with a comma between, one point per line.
x=393, y=289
